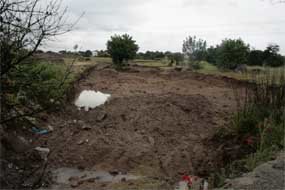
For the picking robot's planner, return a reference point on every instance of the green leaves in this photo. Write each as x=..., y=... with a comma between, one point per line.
x=122, y=48
x=232, y=53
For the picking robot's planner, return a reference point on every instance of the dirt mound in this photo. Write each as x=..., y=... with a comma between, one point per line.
x=157, y=123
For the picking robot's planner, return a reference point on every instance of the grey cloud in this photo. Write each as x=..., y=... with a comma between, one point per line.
x=163, y=24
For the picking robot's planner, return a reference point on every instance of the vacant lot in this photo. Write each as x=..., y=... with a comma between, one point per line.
x=158, y=123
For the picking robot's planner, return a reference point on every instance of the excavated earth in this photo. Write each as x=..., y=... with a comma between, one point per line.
x=158, y=124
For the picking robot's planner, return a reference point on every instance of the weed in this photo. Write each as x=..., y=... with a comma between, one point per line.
x=259, y=123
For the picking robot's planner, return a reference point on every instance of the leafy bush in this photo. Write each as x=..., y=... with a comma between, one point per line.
x=41, y=84
x=272, y=57
x=275, y=60
x=196, y=65
x=232, y=53
x=256, y=57
x=122, y=48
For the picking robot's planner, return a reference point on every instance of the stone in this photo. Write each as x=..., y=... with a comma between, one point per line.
x=151, y=141
x=101, y=116
x=86, y=127
x=123, y=179
x=50, y=128
x=279, y=165
x=81, y=167
x=44, y=152
x=74, y=184
x=17, y=143
x=114, y=172
x=91, y=180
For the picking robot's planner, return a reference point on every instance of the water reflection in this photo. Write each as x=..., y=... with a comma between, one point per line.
x=91, y=99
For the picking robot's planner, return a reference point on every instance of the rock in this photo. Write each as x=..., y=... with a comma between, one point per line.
x=101, y=116
x=81, y=167
x=74, y=184
x=279, y=165
x=44, y=152
x=151, y=141
x=241, y=68
x=80, y=142
x=83, y=176
x=86, y=127
x=178, y=68
x=123, y=179
x=114, y=172
x=267, y=176
x=91, y=180
x=73, y=178
x=17, y=143
x=50, y=128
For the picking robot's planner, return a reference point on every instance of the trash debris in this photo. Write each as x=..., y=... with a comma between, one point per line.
x=50, y=128
x=40, y=131
x=44, y=152
x=205, y=185
x=188, y=179
x=40, y=149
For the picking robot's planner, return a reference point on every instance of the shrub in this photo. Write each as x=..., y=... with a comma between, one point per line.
x=122, y=48
x=232, y=53
x=256, y=57
x=40, y=84
x=258, y=125
x=262, y=114
x=274, y=60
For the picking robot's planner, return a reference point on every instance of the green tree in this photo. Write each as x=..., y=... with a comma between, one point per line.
x=271, y=56
x=231, y=53
x=122, y=48
x=24, y=27
x=256, y=57
x=194, y=49
x=87, y=53
x=178, y=57
x=211, y=55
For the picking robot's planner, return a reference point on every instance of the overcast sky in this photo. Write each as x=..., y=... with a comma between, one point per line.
x=163, y=24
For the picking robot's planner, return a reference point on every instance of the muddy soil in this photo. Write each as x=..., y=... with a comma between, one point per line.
x=158, y=123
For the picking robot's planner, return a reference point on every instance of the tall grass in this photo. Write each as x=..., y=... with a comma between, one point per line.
x=258, y=126
x=260, y=119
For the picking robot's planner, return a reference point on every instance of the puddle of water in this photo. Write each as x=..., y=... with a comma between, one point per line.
x=63, y=175
x=91, y=99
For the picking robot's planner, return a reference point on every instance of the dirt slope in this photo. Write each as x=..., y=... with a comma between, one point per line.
x=157, y=123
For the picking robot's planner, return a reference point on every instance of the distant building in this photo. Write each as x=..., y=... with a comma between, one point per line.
x=95, y=53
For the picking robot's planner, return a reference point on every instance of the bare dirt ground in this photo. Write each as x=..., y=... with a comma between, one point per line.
x=158, y=123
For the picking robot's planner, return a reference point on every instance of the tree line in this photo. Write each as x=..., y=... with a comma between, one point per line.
x=231, y=52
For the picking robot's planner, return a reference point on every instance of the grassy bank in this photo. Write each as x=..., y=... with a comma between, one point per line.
x=258, y=127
